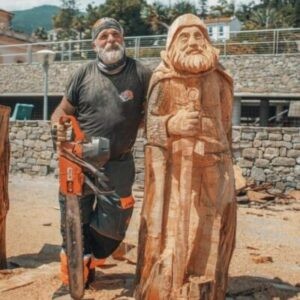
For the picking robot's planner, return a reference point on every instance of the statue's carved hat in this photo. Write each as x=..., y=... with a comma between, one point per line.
x=186, y=20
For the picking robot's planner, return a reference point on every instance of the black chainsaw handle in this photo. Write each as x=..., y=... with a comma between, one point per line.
x=95, y=189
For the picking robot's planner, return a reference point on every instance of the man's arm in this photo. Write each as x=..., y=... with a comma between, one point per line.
x=64, y=108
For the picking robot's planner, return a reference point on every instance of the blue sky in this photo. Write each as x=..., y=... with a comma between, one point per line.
x=26, y=4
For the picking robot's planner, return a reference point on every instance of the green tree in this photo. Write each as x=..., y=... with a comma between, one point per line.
x=269, y=17
x=65, y=19
x=79, y=24
x=224, y=8
x=160, y=16
x=203, y=11
x=93, y=13
x=157, y=16
x=296, y=22
x=128, y=13
x=244, y=11
x=183, y=7
x=40, y=33
x=272, y=14
x=263, y=18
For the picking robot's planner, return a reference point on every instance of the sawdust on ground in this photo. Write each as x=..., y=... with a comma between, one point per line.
x=265, y=265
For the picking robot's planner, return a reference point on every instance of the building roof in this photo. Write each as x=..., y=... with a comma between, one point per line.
x=219, y=20
x=17, y=36
x=7, y=12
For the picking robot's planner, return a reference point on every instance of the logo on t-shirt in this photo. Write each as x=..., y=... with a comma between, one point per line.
x=126, y=95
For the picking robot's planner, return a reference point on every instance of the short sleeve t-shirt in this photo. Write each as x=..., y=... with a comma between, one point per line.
x=110, y=106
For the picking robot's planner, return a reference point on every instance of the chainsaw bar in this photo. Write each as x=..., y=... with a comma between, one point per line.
x=74, y=247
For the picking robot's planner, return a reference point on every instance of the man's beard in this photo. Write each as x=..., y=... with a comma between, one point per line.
x=111, y=54
x=202, y=61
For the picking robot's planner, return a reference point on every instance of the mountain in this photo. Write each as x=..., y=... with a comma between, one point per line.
x=30, y=19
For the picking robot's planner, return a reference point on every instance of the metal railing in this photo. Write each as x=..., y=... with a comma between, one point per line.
x=254, y=42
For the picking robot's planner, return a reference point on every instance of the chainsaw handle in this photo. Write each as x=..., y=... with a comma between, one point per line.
x=78, y=134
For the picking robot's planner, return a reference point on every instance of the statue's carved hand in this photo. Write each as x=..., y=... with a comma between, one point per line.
x=184, y=123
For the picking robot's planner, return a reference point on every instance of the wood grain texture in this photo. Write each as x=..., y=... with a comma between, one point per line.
x=188, y=219
x=4, y=169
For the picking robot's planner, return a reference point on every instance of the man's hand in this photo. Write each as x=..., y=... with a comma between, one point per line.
x=59, y=134
x=58, y=131
x=184, y=123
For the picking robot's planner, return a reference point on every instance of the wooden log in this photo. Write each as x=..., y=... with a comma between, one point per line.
x=28, y=276
x=259, y=196
x=4, y=168
x=240, y=180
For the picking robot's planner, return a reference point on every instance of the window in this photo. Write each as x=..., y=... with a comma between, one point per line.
x=210, y=31
x=19, y=60
x=221, y=30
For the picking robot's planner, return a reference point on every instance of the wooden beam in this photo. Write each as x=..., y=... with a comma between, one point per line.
x=4, y=168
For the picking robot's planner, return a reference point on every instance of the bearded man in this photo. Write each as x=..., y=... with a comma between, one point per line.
x=188, y=218
x=107, y=98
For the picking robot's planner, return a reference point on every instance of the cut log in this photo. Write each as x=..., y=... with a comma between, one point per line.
x=262, y=187
x=259, y=196
x=262, y=259
x=295, y=194
x=240, y=180
x=29, y=276
x=4, y=167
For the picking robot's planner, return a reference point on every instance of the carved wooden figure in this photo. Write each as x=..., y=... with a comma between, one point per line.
x=4, y=168
x=188, y=219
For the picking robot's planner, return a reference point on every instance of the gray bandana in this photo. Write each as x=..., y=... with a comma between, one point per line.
x=113, y=68
x=106, y=23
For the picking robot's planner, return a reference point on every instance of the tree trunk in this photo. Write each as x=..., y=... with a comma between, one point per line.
x=4, y=168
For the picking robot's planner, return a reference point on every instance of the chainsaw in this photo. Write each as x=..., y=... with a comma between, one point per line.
x=77, y=172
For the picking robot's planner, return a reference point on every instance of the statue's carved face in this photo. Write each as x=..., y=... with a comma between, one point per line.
x=190, y=40
x=191, y=52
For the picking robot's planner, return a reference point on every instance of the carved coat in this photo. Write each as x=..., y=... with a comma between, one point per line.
x=188, y=219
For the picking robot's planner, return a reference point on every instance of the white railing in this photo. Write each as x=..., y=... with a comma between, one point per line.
x=254, y=42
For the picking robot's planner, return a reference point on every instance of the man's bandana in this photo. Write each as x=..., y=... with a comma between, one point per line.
x=105, y=23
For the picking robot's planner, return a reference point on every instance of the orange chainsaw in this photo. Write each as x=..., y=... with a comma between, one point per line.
x=76, y=173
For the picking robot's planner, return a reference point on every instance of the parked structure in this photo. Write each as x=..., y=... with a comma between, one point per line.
x=220, y=28
x=53, y=34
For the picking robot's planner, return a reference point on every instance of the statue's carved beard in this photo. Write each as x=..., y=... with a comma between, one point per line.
x=194, y=60
x=111, y=54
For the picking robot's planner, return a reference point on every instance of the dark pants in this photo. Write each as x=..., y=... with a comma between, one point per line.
x=104, y=221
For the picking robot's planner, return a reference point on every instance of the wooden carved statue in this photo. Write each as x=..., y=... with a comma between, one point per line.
x=188, y=220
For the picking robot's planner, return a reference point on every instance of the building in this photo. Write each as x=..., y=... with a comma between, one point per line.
x=5, y=19
x=53, y=34
x=10, y=52
x=220, y=28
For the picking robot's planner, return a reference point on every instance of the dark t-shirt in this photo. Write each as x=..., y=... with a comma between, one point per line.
x=110, y=106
